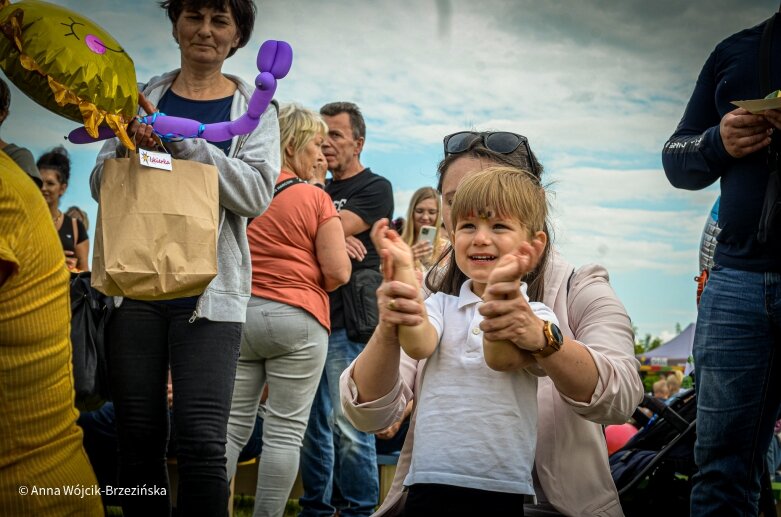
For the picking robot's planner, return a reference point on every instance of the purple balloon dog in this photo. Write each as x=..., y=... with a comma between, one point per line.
x=274, y=61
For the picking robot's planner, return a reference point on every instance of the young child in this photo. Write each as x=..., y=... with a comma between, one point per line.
x=475, y=431
x=661, y=390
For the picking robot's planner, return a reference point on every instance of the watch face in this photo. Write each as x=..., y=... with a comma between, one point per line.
x=557, y=335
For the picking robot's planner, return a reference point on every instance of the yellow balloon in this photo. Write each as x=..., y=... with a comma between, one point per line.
x=69, y=65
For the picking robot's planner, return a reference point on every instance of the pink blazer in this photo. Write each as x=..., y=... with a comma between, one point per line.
x=571, y=458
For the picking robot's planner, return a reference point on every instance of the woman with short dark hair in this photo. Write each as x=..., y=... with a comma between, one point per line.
x=55, y=169
x=198, y=336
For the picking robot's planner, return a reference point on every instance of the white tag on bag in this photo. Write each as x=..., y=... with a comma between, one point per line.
x=155, y=160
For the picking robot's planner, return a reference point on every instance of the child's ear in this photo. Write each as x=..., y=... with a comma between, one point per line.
x=538, y=241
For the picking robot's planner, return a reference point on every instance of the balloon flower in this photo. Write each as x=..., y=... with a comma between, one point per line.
x=69, y=65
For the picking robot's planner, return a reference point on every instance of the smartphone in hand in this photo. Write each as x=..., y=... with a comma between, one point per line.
x=427, y=233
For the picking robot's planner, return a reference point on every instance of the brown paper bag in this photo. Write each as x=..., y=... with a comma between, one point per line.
x=100, y=279
x=156, y=234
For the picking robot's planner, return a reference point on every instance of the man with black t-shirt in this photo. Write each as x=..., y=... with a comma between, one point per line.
x=736, y=348
x=340, y=456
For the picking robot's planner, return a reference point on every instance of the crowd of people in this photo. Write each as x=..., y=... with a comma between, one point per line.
x=460, y=334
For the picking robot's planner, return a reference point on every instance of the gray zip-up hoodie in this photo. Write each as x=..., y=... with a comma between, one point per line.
x=246, y=183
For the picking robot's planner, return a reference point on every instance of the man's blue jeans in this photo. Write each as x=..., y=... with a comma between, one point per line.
x=738, y=381
x=334, y=452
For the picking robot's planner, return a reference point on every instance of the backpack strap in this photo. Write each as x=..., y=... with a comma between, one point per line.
x=764, y=56
x=287, y=183
x=75, y=232
x=767, y=219
x=279, y=187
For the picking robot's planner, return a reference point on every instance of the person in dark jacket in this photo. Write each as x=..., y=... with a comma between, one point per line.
x=738, y=333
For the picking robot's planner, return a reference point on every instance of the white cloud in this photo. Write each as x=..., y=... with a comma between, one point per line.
x=596, y=86
x=628, y=220
x=401, y=199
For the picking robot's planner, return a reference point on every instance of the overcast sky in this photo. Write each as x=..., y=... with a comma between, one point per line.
x=596, y=86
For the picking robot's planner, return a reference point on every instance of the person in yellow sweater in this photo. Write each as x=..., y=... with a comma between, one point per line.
x=44, y=470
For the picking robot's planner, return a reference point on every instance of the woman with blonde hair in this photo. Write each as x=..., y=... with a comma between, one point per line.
x=298, y=256
x=424, y=209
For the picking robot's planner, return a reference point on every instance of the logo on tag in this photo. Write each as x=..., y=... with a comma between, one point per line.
x=156, y=160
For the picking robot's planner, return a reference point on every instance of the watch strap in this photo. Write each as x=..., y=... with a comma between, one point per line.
x=552, y=345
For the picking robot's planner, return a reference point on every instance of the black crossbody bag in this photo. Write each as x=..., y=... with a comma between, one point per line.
x=359, y=301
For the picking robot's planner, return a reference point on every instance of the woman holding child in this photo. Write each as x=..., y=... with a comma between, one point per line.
x=591, y=370
x=495, y=213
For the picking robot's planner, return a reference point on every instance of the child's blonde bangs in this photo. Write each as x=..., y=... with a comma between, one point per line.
x=505, y=192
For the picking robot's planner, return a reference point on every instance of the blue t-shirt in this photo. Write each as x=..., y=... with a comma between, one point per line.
x=205, y=112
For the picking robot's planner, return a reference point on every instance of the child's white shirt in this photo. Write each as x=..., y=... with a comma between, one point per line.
x=475, y=427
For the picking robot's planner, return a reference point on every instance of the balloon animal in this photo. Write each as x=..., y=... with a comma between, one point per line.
x=72, y=67
x=274, y=61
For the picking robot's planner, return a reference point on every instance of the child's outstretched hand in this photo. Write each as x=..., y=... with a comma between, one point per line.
x=391, y=247
x=504, y=282
x=507, y=317
x=418, y=340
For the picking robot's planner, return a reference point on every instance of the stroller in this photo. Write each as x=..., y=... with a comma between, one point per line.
x=653, y=470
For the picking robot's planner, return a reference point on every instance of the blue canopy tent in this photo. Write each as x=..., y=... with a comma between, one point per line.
x=674, y=352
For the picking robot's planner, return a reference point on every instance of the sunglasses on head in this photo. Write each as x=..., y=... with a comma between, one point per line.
x=502, y=142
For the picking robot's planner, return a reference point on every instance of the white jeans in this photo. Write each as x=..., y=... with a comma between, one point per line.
x=283, y=346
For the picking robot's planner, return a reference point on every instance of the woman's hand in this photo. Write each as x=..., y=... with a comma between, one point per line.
x=143, y=134
x=392, y=430
x=389, y=432
x=71, y=261
x=399, y=304
x=512, y=320
x=422, y=250
x=320, y=170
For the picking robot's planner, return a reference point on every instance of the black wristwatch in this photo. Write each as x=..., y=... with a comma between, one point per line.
x=553, y=340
